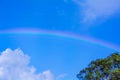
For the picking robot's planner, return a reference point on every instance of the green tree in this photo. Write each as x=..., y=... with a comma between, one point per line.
x=102, y=69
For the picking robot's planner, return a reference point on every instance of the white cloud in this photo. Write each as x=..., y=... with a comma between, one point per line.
x=14, y=65
x=98, y=9
x=62, y=76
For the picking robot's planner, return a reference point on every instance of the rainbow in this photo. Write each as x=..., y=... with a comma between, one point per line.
x=61, y=34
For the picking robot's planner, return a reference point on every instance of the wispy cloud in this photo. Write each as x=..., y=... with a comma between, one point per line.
x=92, y=10
x=61, y=76
x=14, y=65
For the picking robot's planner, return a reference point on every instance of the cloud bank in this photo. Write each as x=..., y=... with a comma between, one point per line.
x=14, y=65
x=92, y=10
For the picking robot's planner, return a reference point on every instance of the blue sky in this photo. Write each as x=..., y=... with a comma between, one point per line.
x=60, y=55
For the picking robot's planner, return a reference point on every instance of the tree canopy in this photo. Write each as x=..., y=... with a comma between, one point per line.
x=102, y=69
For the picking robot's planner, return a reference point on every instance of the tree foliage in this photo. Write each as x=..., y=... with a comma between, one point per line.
x=102, y=69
